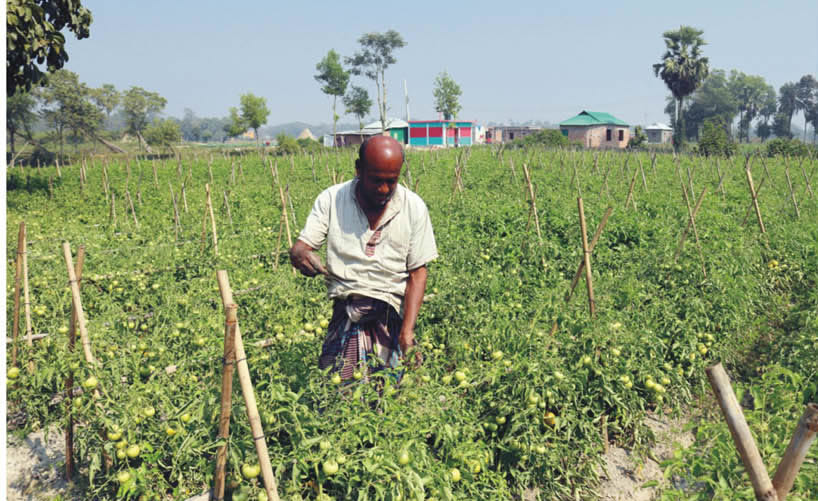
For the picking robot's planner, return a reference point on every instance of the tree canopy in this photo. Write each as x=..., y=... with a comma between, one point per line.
x=358, y=103
x=33, y=38
x=254, y=111
x=447, y=96
x=163, y=133
x=67, y=105
x=683, y=68
x=140, y=107
x=235, y=125
x=372, y=60
x=334, y=80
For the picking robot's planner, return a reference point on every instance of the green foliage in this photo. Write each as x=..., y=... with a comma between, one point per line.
x=20, y=116
x=140, y=107
x=67, y=106
x=715, y=141
x=753, y=95
x=372, y=60
x=447, y=96
x=107, y=98
x=638, y=139
x=334, y=79
x=683, y=68
x=163, y=133
x=254, y=111
x=357, y=102
x=33, y=37
x=235, y=125
x=287, y=145
x=549, y=138
x=782, y=146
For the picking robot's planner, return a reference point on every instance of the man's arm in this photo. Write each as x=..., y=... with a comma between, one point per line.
x=412, y=299
x=303, y=258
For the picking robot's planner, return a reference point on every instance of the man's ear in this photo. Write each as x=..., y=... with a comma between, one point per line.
x=357, y=167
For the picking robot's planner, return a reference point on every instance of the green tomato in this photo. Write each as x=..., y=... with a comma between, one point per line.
x=403, y=458
x=330, y=467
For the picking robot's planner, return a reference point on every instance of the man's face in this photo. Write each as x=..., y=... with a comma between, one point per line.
x=378, y=171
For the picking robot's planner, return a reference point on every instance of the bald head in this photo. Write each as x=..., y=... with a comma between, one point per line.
x=378, y=166
x=380, y=151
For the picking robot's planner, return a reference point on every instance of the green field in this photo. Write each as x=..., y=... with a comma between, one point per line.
x=500, y=404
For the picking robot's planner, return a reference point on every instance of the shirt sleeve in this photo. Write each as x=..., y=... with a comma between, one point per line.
x=314, y=233
x=422, y=246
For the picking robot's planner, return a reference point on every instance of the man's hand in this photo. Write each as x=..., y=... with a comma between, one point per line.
x=304, y=259
x=406, y=341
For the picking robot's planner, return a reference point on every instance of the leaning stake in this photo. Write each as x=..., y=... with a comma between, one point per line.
x=796, y=452
x=227, y=391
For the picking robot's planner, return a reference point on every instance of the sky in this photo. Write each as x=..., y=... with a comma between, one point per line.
x=521, y=61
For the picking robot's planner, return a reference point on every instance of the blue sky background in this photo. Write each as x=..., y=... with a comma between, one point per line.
x=527, y=60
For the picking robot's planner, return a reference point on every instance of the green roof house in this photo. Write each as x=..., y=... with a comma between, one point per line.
x=595, y=129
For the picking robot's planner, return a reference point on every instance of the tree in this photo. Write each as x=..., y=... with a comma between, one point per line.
x=447, y=96
x=107, y=98
x=638, y=139
x=751, y=94
x=334, y=80
x=712, y=100
x=33, y=37
x=140, y=107
x=683, y=68
x=20, y=116
x=254, y=111
x=357, y=102
x=235, y=125
x=805, y=97
x=67, y=106
x=781, y=125
x=714, y=140
x=372, y=61
x=812, y=117
x=163, y=133
x=787, y=105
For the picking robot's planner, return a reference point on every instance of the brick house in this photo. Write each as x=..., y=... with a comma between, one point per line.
x=508, y=133
x=596, y=130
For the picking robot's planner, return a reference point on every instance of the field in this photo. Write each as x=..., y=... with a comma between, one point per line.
x=501, y=407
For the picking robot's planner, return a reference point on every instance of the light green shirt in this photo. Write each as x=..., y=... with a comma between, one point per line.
x=373, y=263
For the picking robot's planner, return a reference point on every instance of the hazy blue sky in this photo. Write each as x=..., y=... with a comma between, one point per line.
x=524, y=60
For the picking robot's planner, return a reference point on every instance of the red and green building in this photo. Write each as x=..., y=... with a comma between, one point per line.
x=440, y=133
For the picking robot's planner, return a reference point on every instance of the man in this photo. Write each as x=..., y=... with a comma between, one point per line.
x=379, y=240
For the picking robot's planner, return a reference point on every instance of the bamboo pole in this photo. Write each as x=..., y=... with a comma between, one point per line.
x=176, y=225
x=644, y=181
x=155, y=176
x=69, y=381
x=26, y=296
x=212, y=220
x=77, y=303
x=533, y=202
x=789, y=185
x=59, y=173
x=228, y=364
x=796, y=452
x=113, y=209
x=721, y=180
x=600, y=227
x=631, y=198
x=133, y=211
x=806, y=178
x=589, y=281
x=227, y=205
x=742, y=437
x=285, y=216
x=18, y=277
x=755, y=200
x=249, y=397
x=750, y=205
x=691, y=221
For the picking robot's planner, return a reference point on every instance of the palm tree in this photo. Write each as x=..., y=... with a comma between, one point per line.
x=805, y=95
x=788, y=101
x=683, y=69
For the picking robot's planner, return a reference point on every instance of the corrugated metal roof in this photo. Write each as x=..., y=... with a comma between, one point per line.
x=593, y=118
x=657, y=126
x=391, y=123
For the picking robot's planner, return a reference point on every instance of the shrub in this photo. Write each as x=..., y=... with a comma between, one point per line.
x=714, y=140
x=287, y=145
x=546, y=137
x=638, y=140
x=787, y=147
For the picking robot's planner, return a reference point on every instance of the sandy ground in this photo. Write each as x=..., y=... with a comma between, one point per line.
x=624, y=474
x=35, y=466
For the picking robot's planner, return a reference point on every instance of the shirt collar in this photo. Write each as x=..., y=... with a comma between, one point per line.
x=393, y=207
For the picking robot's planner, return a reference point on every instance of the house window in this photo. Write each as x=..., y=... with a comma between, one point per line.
x=608, y=135
x=511, y=135
x=621, y=135
x=564, y=132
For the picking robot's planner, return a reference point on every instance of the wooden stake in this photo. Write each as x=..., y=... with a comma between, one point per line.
x=212, y=220
x=176, y=225
x=59, y=173
x=69, y=381
x=26, y=297
x=691, y=221
x=742, y=437
x=589, y=281
x=631, y=198
x=721, y=180
x=18, y=278
x=228, y=365
x=77, y=304
x=133, y=211
x=227, y=205
x=755, y=200
x=155, y=176
x=644, y=181
x=750, y=205
x=249, y=397
x=789, y=185
x=796, y=452
x=806, y=178
x=113, y=209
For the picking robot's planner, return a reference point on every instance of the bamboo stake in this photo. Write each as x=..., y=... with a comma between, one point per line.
x=806, y=179
x=691, y=221
x=796, y=452
x=77, y=304
x=631, y=198
x=742, y=437
x=533, y=202
x=212, y=221
x=285, y=216
x=184, y=196
x=695, y=230
x=227, y=205
x=755, y=200
x=113, y=209
x=155, y=176
x=789, y=185
x=292, y=209
x=228, y=364
x=600, y=227
x=721, y=180
x=589, y=281
x=69, y=381
x=59, y=173
x=176, y=225
x=133, y=211
x=644, y=181
x=18, y=277
x=26, y=297
x=750, y=205
x=249, y=397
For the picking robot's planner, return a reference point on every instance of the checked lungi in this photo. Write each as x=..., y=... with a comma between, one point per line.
x=363, y=335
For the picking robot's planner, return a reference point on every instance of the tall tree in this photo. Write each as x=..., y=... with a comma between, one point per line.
x=805, y=97
x=447, y=96
x=372, y=61
x=140, y=107
x=67, y=106
x=334, y=80
x=254, y=112
x=33, y=37
x=107, y=98
x=683, y=68
x=812, y=117
x=235, y=125
x=357, y=102
x=20, y=116
x=787, y=106
x=751, y=94
x=712, y=100
x=163, y=133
